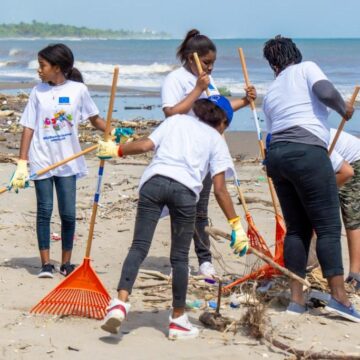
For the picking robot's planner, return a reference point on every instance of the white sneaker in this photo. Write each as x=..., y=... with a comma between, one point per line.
x=116, y=313
x=207, y=269
x=181, y=328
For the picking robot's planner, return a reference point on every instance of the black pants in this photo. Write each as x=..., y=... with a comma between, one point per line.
x=181, y=201
x=305, y=184
x=201, y=238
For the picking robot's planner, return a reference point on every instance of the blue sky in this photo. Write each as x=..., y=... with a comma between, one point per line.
x=217, y=19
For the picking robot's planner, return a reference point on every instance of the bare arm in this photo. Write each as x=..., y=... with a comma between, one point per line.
x=185, y=105
x=137, y=147
x=98, y=122
x=26, y=138
x=345, y=173
x=222, y=196
x=239, y=103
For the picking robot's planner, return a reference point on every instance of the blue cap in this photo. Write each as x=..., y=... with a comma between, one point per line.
x=224, y=104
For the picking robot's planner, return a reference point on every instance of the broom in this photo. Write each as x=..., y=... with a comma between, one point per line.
x=280, y=230
x=82, y=292
x=53, y=166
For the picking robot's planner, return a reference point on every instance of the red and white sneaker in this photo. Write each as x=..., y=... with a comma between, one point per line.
x=116, y=313
x=181, y=328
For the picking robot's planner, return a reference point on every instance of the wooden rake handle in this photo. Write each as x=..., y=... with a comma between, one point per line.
x=199, y=68
x=102, y=162
x=57, y=164
x=241, y=197
x=70, y=158
x=214, y=232
x=246, y=75
x=260, y=142
x=343, y=120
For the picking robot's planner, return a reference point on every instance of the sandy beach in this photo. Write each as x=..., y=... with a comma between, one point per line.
x=143, y=335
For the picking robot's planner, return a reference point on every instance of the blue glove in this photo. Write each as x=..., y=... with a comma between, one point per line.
x=120, y=135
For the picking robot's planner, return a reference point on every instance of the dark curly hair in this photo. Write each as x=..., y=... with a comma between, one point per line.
x=281, y=52
x=209, y=113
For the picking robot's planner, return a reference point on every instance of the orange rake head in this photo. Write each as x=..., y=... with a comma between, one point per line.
x=264, y=272
x=81, y=294
x=279, y=240
x=256, y=240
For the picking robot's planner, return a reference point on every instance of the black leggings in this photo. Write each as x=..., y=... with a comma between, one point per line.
x=305, y=184
x=181, y=201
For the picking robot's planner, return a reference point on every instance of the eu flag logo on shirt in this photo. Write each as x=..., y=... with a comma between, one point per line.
x=64, y=100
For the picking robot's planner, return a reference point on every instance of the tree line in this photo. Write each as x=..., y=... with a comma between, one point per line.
x=39, y=29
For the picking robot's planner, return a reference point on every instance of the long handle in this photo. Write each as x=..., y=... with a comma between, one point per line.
x=102, y=162
x=217, y=232
x=199, y=69
x=241, y=196
x=260, y=142
x=62, y=162
x=57, y=164
x=252, y=103
x=343, y=121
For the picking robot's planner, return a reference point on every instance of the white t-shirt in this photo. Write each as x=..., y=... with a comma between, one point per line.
x=54, y=112
x=290, y=101
x=346, y=148
x=177, y=86
x=186, y=149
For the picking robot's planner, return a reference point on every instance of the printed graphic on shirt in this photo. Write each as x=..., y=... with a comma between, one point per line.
x=59, y=120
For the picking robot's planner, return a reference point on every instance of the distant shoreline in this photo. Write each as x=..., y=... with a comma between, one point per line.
x=122, y=91
x=155, y=38
x=101, y=88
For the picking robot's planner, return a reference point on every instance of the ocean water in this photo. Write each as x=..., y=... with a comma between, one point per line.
x=144, y=64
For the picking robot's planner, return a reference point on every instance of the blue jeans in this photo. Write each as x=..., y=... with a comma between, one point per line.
x=305, y=184
x=66, y=196
x=181, y=201
x=201, y=238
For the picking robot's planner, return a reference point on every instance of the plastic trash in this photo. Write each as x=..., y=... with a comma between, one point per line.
x=212, y=304
x=234, y=301
x=194, y=304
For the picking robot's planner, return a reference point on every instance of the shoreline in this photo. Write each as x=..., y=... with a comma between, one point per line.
x=122, y=90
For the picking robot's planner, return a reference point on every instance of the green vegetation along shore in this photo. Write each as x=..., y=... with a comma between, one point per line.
x=38, y=29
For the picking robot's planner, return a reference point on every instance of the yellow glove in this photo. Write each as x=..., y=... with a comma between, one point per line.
x=239, y=240
x=107, y=150
x=21, y=176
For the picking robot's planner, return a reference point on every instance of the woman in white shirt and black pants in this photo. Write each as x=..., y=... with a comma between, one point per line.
x=296, y=113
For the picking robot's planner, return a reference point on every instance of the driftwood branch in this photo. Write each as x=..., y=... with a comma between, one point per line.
x=308, y=354
x=154, y=273
x=159, y=275
x=215, y=233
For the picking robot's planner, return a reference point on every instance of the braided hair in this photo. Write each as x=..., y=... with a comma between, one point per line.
x=281, y=52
